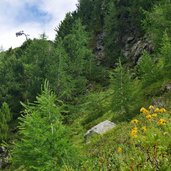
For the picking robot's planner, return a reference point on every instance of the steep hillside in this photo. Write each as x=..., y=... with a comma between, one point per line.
x=110, y=61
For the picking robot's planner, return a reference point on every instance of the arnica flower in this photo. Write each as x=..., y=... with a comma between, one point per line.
x=133, y=132
x=151, y=107
x=146, y=112
x=161, y=122
x=119, y=150
x=154, y=115
x=135, y=121
x=135, y=128
x=149, y=117
x=142, y=109
x=162, y=110
x=157, y=110
x=144, y=128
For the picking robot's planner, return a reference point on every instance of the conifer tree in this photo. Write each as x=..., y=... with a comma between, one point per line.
x=85, y=10
x=65, y=26
x=43, y=144
x=122, y=86
x=165, y=56
x=111, y=34
x=157, y=21
x=64, y=84
x=149, y=72
x=37, y=59
x=80, y=56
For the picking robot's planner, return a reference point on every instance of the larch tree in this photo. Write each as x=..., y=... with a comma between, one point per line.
x=43, y=143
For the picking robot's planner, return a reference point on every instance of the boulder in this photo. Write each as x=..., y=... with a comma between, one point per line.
x=100, y=128
x=166, y=87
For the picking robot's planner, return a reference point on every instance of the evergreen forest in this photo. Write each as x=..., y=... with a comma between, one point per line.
x=110, y=60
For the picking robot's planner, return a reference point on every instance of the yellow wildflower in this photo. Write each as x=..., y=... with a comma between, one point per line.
x=144, y=128
x=135, y=121
x=133, y=132
x=161, y=122
x=157, y=110
x=149, y=117
x=119, y=150
x=144, y=111
x=151, y=107
x=154, y=115
x=135, y=128
x=162, y=110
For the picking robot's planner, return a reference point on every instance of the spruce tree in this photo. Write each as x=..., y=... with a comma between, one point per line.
x=80, y=56
x=65, y=27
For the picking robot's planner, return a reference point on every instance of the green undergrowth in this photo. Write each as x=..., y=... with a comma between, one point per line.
x=117, y=149
x=135, y=145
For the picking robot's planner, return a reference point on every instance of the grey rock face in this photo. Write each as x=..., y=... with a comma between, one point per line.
x=100, y=128
x=99, y=48
x=134, y=47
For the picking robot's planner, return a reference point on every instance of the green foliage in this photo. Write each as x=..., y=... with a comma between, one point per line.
x=81, y=82
x=157, y=22
x=103, y=150
x=95, y=106
x=165, y=53
x=22, y=72
x=124, y=91
x=137, y=146
x=149, y=71
x=43, y=143
x=11, y=75
x=80, y=57
x=122, y=19
x=58, y=72
x=37, y=60
x=111, y=35
x=153, y=72
x=65, y=26
x=5, y=117
x=92, y=14
x=73, y=62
